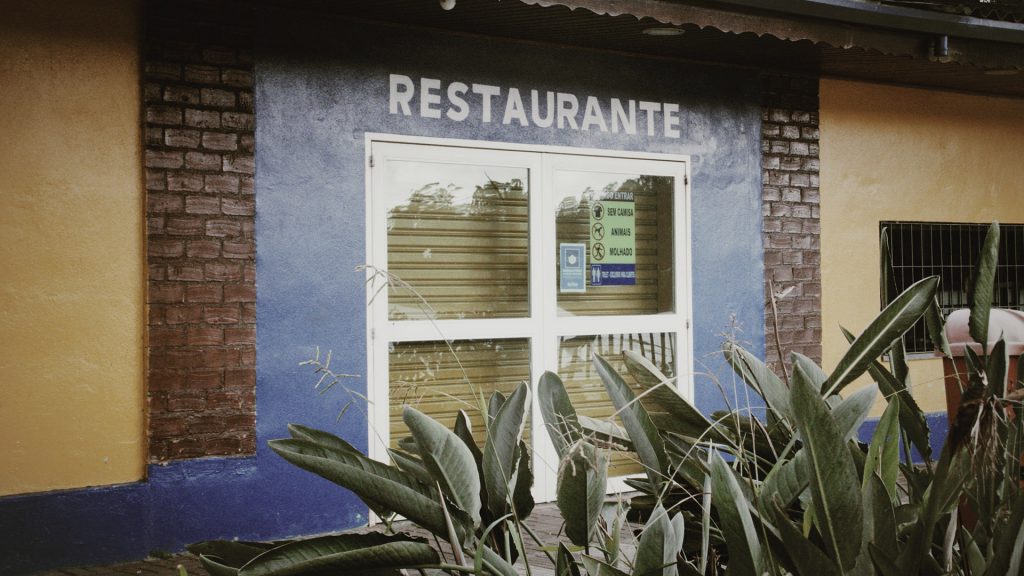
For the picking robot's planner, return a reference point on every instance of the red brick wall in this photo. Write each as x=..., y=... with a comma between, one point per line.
x=199, y=143
x=791, y=226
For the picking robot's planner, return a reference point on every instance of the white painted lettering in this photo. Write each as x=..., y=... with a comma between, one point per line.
x=430, y=98
x=568, y=106
x=671, y=120
x=514, y=109
x=651, y=108
x=593, y=115
x=619, y=115
x=545, y=121
x=458, y=108
x=401, y=92
x=486, y=92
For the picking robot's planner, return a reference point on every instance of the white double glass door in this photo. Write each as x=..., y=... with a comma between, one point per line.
x=489, y=264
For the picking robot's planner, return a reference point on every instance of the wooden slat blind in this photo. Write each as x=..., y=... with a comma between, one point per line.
x=440, y=381
x=468, y=260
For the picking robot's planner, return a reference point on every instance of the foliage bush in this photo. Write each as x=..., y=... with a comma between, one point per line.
x=793, y=493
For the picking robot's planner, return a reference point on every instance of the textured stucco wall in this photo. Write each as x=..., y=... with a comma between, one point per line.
x=890, y=153
x=71, y=246
x=313, y=113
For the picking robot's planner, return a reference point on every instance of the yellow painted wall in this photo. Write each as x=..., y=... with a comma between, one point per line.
x=890, y=153
x=71, y=245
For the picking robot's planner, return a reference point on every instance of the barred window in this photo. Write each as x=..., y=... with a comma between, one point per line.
x=950, y=250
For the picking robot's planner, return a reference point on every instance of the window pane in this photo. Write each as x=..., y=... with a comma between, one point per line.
x=458, y=239
x=584, y=385
x=623, y=226
x=440, y=378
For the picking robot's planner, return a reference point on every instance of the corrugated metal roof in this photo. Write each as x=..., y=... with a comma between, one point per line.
x=748, y=39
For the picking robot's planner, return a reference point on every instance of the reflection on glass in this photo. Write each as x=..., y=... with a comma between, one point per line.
x=440, y=378
x=588, y=395
x=458, y=239
x=647, y=233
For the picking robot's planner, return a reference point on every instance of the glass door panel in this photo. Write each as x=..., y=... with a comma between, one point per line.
x=458, y=240
x=624, y=223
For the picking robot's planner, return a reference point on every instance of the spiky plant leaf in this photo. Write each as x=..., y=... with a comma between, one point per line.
x=411, y=465
x=879, y=518
x=368, y=479
x=805, y=555
x=595, y=567
x=735, y=521
x=558, y=413
x=522, y=493
x=785, y=482
x=984, y=286
x=659, y=546
x=448, y=460
x=898, y=317
x=339, y=553
x=500, y=451
x=757, y=375
x=835, y=486
x=912, y=418
x=883, y=459
x=667, y=408
x=997, y=368
x=935, y=324
x=814, y=373
x=565, y=565
x=850, y=412
x=642, y=431
x=1009, y=548
x=580, y=492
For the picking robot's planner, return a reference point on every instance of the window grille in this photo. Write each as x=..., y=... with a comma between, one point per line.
x=950, y=250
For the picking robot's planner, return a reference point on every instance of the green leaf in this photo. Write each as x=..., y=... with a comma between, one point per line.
x=997, y=368
x=879, y=517
x=814, y=372
x=898, y=317
x=334, y=554
x=984, y=286
x=448, y=460
x=368, y=479
x=580, y=492
x=522, y=494
x=558, y=413
x=667, y=408
x=500, y=451
x=735, y=521
x=605, y=433
x=935, y=324
x=784, y=482
x=565, y=565
x=411, y=465
x=659, y=545
x=883, y=459
x=642, y=432
x=757, y=375
x=912, y=418
x=1009, y=548
x=939, y=498
x=230, y=553
x=804, y=554
x=215, y=566
x=835, y=487
x=853, y=410
x=595, y=567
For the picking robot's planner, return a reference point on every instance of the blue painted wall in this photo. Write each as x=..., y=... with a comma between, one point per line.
x=320, y=87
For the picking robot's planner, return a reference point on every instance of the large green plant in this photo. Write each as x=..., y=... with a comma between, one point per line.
x=799, y=494
x=794, y=492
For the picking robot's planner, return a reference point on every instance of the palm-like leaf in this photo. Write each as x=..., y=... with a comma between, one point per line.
x=448, y=459
x=354, y=553
x=892, y=323
x=835, y=487
x=501, y=450
x=582, y=485
x=984, y=284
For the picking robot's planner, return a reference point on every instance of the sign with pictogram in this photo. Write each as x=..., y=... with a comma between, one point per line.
x=613, y=240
